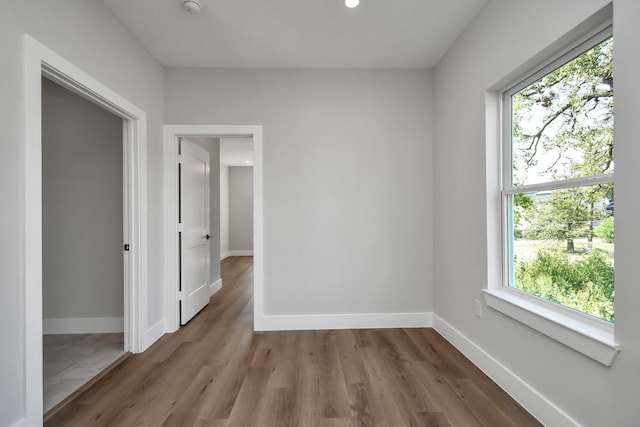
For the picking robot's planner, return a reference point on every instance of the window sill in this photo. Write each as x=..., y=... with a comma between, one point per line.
x=591, y=337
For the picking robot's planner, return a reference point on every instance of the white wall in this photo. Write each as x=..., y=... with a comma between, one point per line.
x=85, y=33
x=504, y=36
x=348, y=194
x=82, y=252
x=241, y=208
x=224, y=211
x=212, y=146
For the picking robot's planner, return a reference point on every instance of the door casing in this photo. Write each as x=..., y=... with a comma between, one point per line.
x=172, y=135
x=41, y=61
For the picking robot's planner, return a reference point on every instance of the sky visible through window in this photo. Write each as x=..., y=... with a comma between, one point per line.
x=563, y=123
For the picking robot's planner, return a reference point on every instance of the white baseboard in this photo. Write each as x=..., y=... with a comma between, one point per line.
x=240, y=253
x=83, y=325
x=227, y=254
x=343, y=321
x=153, y=334
x=215, y=287
x=21, y=423
x=539, y=406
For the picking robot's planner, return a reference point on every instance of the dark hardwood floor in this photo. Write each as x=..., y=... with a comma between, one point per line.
x=216, y=371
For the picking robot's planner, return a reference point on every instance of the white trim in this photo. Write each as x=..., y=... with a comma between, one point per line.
x=239, y=253
x=153, y=333
x=172, y=133
x=22, y=422
x=33, y=230
x=83, y=325
x=583, y=333
x=224, y=255
x=590, y=336
x=215, y=287
x=533, y=401
x=584, y=181
x=39, y=61
x=345, y=321
x=594, y=36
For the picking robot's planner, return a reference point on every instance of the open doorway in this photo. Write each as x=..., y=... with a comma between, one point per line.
x=236, y=197
x=40, y=61
x=82, y=241
x=173, y=134
x=215, y=214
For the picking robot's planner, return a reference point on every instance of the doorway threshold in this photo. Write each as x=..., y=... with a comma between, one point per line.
x=65, y=383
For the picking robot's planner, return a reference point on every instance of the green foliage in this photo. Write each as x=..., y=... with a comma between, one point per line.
x=583, y=282
x=523, y=204
x=523, y=200
x=563, y=123
x=569, y=213
x=605, y=230
x=562, y=216
x=562, y=128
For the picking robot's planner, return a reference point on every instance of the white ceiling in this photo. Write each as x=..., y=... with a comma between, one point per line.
x=297, y=33
x=236, y=151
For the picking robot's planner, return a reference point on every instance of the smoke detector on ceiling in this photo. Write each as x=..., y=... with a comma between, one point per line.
x=192, y=6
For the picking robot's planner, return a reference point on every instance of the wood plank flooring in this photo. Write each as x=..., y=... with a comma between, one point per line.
x=217, y=372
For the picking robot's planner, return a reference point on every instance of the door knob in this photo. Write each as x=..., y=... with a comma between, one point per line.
x=207, y=237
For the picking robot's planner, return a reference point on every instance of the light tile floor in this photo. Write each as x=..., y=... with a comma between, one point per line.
x=72, y=360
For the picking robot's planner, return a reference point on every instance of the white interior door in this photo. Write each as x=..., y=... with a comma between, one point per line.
x=195, y=248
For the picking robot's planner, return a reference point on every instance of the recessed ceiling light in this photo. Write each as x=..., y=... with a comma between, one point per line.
x=247, y=162
x=351, y=3
x=192, y=6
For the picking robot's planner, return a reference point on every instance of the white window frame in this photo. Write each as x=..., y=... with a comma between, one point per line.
x=586, y=334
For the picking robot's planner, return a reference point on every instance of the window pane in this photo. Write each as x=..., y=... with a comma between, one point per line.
x=562, y=124
x=563, y=247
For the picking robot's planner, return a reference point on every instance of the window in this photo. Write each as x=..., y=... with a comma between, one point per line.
x=558, y=181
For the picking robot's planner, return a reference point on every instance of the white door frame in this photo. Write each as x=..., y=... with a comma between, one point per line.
x=40, y=61
x=172, y=135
